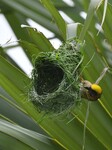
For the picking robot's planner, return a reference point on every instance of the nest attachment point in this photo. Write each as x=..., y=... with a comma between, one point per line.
x=55, y=78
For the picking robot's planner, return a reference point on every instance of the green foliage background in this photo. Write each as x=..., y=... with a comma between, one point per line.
x=20, y=123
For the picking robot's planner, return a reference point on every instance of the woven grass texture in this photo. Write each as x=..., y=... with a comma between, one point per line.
x=55, y=78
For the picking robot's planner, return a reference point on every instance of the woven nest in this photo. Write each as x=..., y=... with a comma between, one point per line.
x=55, y=79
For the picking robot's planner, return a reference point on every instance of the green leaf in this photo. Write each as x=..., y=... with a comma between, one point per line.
x=13, y=75
x=30, y=49
x=107, y=28
x=15, y=83
x=29, y=138
x=99, y=122
x=15, y=20
x=39, y=39
x=14, y=113
x=91, y=10
x=57, y=17
x=6, y=143
x=70, y=133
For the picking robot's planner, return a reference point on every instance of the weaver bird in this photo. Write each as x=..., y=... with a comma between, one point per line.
x=90, y=91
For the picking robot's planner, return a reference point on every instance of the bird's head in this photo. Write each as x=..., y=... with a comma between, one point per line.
x=91, y=91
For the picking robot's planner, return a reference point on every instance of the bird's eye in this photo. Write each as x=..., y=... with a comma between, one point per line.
x=88, y=88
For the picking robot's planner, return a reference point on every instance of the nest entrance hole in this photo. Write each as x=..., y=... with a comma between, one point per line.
x=48, y=77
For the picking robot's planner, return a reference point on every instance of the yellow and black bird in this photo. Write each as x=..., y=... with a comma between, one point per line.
x=91, y=92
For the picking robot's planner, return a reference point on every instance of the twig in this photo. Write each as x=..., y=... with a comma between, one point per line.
x=102, y=75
